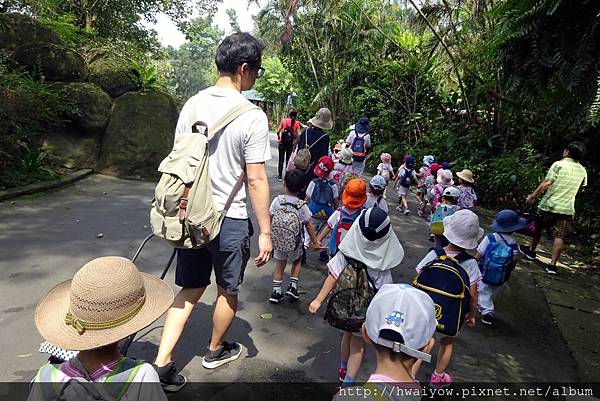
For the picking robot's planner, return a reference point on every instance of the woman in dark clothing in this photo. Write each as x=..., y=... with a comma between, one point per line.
x=317, y=140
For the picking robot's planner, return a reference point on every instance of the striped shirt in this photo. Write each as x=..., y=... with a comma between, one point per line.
x=567, y=177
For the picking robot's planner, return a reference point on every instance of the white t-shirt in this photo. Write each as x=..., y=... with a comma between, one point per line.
x=304, y=211
x=507, y=238
x=336, y=216
x=385, y=170
x=352, y=135
x=372, y=201
x=334, y=188
x=379, y=277
x=470, y=266
x=244, y=141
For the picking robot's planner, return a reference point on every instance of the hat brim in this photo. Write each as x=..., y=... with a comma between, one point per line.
x=468, y=243
x=51, y=311
x=321, y=124
x=352, y=201
x=440, y=181
x=465, y=178
x=510, y=229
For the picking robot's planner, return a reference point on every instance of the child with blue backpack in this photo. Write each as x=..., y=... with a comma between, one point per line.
x=406, y=178
x=450, y=276
x=322, y=197
x=353, y=200
x=445, y=209
x=497, y=254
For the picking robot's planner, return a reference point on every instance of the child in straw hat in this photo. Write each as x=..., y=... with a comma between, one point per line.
x=107, y=300
x=467, y=198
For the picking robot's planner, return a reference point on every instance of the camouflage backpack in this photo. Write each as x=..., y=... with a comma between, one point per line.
x=286, y=226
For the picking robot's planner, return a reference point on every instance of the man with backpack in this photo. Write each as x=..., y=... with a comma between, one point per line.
x=237, y=169
x=359, y=141
x=287, y=136
x=497, y=255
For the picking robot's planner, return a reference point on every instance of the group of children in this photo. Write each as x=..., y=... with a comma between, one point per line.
x=351, y=226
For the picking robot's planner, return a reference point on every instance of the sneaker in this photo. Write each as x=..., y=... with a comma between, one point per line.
x=342, y=374
x=292, y=293
x=440, y=381
x=170, y=380
x=229, y=352
x=487, y=319
x=551, y=269
x=276, y=297
x=323, y=256
x=420, y=213
x=279, y=178
x=399, y=208
x=528, y=253
x=406, y=212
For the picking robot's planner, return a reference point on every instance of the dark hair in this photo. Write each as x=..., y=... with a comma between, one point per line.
x=392, y=335
x=466, y=183
x=294, y=181
x=450, y=199
x=376, y=190
x=293, y=114
x=236, y=50
x=576, y=150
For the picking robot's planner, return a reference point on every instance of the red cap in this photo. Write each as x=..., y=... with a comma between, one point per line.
x=323, y=167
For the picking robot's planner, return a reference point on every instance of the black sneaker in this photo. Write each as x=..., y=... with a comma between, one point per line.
x=170, y=380
x=229, y=352
x=528, y=253
x=292, y=293
x=551, y=269
x=487, y=319
x=323, y=256
x=276, y=297
x=279, y=178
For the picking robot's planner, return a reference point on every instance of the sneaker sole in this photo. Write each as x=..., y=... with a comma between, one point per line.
x=216, y=364
x=275, y=300
x=291, y=295
x=551, y=272
x=173, y=388
x=487, y=323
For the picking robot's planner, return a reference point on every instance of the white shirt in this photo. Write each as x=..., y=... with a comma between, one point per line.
x=336, y=216
x=245, y=140
x=334, y=188
x=470, y=266
x=385, y=170
x=507, y=239
x=304, y=211
x=380, y=277
x=352, y=135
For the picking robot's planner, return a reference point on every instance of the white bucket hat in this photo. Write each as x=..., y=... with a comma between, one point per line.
x=402, y=318
x=462, y=229
x=444, y=177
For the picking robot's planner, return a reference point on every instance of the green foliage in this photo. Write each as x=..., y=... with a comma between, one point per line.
x=65, y=26
x=147, y=76
x=275, y=85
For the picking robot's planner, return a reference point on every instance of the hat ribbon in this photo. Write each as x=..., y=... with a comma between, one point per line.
x=82, y=325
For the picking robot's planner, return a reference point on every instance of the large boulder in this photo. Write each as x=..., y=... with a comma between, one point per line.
x=54, y=62
x=139, y=135
x=90, y=106
x=17, y=30
x=113, y=74
x=71, y=150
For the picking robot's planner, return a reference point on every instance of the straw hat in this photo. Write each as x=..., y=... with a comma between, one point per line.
x=355, y=194
x=322, y=119
x=466, y=175
x=107, y=300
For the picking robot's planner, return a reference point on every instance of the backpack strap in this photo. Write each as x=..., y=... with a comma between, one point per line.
x=463, y=256
x=492, y=238
x=438, y=252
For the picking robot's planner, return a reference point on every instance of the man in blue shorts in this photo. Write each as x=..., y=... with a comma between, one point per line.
x=243, y=144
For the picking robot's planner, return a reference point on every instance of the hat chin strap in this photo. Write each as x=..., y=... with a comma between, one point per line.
x=399, y=347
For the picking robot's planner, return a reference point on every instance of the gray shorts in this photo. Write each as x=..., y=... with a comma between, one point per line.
x=291, y=256
x=228, y=254
x=403, y=190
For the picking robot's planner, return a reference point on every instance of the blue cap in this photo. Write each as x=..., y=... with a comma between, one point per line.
x=378, y=181
x=374, y=223
x=508, y=221
x=362, y=125
x=446, y=166
x=409, y=159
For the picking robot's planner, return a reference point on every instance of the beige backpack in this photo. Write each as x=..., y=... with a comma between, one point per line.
x=183, y=211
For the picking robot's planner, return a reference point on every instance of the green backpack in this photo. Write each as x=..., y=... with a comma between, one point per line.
x=183, y=210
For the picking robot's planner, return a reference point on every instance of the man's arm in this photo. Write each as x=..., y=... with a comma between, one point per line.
x=543, y=187
x=258, y=188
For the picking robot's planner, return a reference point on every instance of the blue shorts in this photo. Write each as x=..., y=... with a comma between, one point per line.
x=228, y=254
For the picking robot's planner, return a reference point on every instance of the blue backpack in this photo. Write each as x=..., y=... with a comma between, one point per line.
x=436, y=222
x=341, y=228
x=321, y=199
x=496, y=264
x=447, y=283
x=407, y=180
x=359, y=149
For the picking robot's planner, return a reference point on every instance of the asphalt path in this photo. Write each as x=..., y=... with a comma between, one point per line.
x=46, y=238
